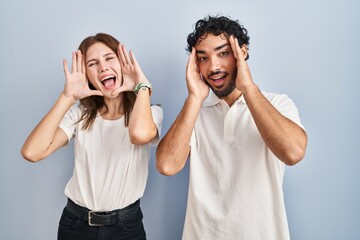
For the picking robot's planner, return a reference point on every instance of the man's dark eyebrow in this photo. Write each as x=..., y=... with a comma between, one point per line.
x=221, y=46
x=217, y=48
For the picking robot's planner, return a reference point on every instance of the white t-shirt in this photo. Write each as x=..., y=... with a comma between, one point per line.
x=235, y=187
x=109, y=172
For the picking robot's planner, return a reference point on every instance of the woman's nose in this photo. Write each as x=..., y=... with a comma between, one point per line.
x=103, y=67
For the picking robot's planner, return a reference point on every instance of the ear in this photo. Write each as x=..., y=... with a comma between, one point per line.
x=244, y=49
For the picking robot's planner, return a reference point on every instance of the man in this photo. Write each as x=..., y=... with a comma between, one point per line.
x=239, y=140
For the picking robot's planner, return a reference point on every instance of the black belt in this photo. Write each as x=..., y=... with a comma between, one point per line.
x=95, y=218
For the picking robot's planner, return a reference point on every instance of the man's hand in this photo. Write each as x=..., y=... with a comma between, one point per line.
x=243, y=78
x=195, y=83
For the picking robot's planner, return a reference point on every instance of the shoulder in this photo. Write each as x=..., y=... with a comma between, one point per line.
x=75, y=111
x=276, y=98
x=156, y=108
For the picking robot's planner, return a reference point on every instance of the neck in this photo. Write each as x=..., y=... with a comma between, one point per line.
x=232, y=97
x=113, y=109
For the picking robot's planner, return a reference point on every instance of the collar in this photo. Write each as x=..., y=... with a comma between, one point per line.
x=212, y=99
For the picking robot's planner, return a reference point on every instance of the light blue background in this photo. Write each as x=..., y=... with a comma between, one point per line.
x=308, y=49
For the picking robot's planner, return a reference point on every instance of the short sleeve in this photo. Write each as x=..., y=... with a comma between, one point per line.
x=69, y=122
x=157, y=114
x=287, y=108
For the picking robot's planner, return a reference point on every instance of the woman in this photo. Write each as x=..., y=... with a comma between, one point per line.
x=113, y=127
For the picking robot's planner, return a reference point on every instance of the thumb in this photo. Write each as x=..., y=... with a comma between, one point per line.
x=96, y=92
x=118, y=90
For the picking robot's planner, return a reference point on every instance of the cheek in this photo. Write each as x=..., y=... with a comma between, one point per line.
x=92, y=82
x=230, y=66
x=203, y=69
x=232, y=62
x=91, y=76
x=118, y=73
x=118, y=70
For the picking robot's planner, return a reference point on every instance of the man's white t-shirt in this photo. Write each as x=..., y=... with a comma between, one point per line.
x=235, y=187
x=109, y=171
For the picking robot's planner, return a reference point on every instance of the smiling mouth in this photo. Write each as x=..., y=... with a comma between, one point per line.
x=109, y=82
x=218, y=79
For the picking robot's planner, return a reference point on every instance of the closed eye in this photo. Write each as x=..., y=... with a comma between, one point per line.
x=90, y=64
x=109, y=58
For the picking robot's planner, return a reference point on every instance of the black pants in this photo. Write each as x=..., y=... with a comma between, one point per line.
x=72, y=227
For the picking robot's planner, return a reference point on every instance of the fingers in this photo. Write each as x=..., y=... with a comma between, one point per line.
x=133, y=59
x=123, y=56
x=239, y=54
x=65, y=66
x=192, y=62
x=73, y=62
x=118, y=90
x=96, y=92
x=192, y=69
x=77, y=65
x=83, y=67
x=78, y=61
x=234, y=46
x=137, y=67
x=191, y=58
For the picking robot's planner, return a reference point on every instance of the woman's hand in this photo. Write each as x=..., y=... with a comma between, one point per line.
x=76, y=83
x=130, y=69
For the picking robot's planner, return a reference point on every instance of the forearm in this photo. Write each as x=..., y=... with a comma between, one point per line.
x=173, y=150
x=142, y=128
x=39, y=143
x=283, y=137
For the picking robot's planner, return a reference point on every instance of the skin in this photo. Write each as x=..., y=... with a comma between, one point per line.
x=99, y=62
x=217, y=62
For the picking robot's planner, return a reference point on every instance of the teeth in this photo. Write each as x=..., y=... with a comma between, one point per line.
x=108, y=77
x=217, y=78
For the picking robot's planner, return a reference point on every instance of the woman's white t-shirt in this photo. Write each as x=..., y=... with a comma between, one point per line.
x=109, y=171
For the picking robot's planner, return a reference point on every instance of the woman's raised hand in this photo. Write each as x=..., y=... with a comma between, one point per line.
x=130, y=69
x=76, y=83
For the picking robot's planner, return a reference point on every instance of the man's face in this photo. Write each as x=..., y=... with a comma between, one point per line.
x=217, y=64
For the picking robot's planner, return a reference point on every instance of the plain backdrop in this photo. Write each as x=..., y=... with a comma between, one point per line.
x=307, y=49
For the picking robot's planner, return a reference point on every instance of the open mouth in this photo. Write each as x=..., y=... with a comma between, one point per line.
x=218, y=79
x=108, y=82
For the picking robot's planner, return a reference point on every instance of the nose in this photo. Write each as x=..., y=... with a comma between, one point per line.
x=214, y=64
x=102, y=67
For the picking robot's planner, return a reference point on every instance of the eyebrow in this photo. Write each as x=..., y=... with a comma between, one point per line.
x=107, y=54
x=217, y=48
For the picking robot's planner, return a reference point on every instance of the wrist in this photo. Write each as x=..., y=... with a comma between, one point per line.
x=199, y=95
x=194, y=100
x=250, y=90
x=143, y=85
x=69, y=98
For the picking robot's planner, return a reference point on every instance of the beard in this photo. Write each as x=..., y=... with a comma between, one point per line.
x=227, y=90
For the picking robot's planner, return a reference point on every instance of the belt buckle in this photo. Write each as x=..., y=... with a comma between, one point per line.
x=91, y=213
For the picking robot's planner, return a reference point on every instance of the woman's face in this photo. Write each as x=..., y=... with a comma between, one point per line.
x=103, y=68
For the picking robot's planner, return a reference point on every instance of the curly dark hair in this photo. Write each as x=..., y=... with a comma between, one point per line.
x=217, y=25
